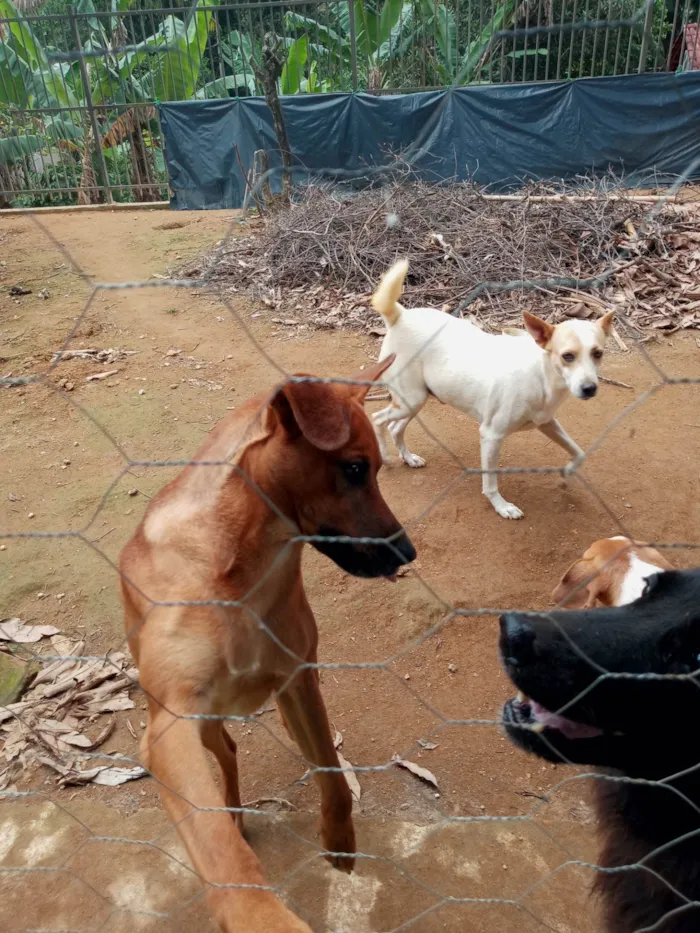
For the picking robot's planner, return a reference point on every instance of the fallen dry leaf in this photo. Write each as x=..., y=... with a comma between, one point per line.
x=427, y=745
x=15, y=630
x=112, y=705
x=350, y=777
x=104, y=774
x=419, y=772
x=66, y=696
x=113, y=776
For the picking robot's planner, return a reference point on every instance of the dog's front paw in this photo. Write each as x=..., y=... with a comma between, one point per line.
x=506, y=509
x=413, y=460
x=344, y=863
x=340, y=845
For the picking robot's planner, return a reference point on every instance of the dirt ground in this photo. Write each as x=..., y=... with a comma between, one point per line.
x=68, y=463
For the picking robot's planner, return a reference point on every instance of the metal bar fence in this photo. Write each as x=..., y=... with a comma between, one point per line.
x=77, y=90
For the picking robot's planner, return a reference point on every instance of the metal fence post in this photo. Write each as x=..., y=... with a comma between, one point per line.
x=85, y=78
x=353, y=45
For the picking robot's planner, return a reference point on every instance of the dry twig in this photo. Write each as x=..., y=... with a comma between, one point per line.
x=320, y=258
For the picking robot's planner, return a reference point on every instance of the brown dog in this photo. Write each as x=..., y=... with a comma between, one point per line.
x=217, y=618
x=613, y=572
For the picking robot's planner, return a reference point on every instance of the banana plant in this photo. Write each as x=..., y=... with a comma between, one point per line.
x=398, y=25
x=374, y=30
x=477, y=53
x=419, y=19
x=27, y=77
x=173, y=55
x=165, y=66
x=238, y=50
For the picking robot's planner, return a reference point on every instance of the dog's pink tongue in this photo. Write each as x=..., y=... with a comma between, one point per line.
x=567, y=727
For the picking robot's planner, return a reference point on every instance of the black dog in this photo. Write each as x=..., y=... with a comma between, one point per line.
x=645, y=728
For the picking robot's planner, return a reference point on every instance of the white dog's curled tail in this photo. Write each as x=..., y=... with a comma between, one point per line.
x=385, y=299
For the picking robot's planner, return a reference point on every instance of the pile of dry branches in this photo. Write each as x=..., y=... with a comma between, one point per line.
x=320, y=259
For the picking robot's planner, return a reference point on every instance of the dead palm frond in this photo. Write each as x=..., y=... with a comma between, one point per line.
x=127, y=124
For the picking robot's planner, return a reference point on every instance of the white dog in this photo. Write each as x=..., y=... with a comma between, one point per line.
x=507, y=383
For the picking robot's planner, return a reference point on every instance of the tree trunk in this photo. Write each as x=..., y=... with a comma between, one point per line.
x=88, y=192
x=268, y=76
x=142, y=167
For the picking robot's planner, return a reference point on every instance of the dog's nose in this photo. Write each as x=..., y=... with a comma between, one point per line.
x=404, y=546
x=588, y=389
x=517, y=638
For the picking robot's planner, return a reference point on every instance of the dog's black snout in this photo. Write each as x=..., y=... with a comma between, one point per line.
x=404, y=546
x=589, y=389
x=517, y=638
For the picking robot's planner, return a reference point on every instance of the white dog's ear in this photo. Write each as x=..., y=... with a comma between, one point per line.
x=540, y=331
x=606, y=322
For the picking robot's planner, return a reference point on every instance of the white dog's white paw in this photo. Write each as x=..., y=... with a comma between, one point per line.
x=506, y=509
x=413, y=460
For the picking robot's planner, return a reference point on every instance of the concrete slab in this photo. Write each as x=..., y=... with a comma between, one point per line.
x=84, y=867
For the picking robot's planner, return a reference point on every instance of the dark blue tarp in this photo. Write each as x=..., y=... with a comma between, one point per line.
x=638, y=126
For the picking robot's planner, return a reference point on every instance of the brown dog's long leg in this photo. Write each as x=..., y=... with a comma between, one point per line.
x=220, y=743
x=176, y=758
x=304, y=714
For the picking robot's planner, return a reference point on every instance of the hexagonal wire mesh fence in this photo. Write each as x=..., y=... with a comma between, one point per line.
x=73, y=672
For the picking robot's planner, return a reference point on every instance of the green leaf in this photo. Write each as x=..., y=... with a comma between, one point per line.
x=237, y=55
x=221, y=86
x=242, y=41
x=62, y=128
x=446, y=36
x=329, y=37
x=405, y=31
x=14, y=74
x=521, y=53
x=15, y=148
x=174, y=71
x=293, y=71
x=363, y=24
x=87, y=6
x=340, y=13
x=470, y=64
x=389, y=16
x=26, y=45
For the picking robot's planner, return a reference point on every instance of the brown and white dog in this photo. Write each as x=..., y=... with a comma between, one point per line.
x=613, y=572
x=217, y=618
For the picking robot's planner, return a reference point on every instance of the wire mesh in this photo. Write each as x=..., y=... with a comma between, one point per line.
x=434, y=894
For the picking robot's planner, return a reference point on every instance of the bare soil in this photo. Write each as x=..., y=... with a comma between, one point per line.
x=68, y=465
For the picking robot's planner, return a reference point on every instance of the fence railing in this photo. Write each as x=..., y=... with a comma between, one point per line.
x=78, y=89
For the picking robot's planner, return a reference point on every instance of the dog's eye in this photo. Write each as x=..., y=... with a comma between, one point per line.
x=597, y=354
x=355, y=471
x=568, y=357
x=650, y=584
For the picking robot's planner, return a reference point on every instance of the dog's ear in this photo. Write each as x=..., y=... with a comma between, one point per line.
x=540, y=331
x=318, y=410
x=651, y=556
x=606, y=322
x=371, y=374
x=573, y=592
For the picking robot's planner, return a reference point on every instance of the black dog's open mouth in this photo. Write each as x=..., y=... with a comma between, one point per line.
x=522, y=711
